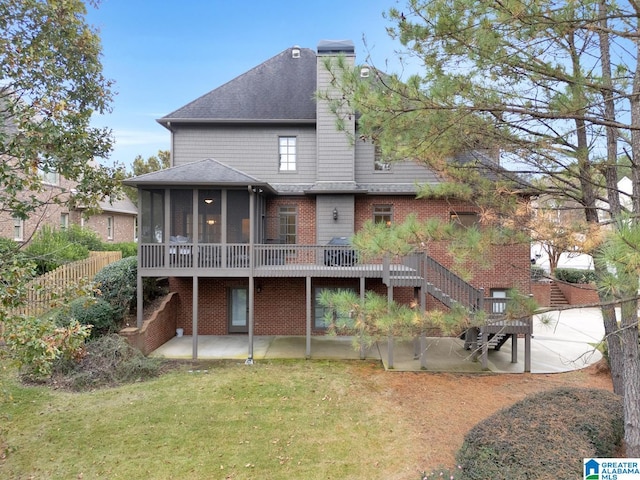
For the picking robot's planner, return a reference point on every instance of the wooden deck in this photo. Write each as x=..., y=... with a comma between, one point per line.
x=243, y=260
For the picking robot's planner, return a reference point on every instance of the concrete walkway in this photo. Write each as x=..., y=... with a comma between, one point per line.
x=562, y=341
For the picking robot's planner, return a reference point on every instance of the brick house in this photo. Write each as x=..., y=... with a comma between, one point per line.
x=251, y=221
x=115, y=223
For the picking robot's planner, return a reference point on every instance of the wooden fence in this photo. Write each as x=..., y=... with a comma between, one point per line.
x=43, y=290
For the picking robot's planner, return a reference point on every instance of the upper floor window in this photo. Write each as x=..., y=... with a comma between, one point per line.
x=18, y=229
x=288, y=217
x=464, y=219
x=110, y=228
x=379, y=164
x=287, y=152
x=49, y=176
x=383, y=214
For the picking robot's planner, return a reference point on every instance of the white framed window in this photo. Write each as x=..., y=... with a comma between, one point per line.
x=64, y=221
x=287, y=154
x=49, y=176
x=109, y=228
x=18, y=229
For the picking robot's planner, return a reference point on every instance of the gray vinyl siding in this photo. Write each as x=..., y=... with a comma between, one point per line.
x=335, y=148
x=401, y=172
x=253, y=150
x=326, y=226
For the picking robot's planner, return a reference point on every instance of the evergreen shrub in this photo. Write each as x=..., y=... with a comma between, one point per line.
x=91, y=311
x=544, y=436
x=117, y=284
x=574, y=275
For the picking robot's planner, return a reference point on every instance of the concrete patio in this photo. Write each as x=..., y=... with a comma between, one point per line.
x=562, y=341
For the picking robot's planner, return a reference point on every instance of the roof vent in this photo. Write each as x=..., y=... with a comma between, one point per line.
x=364, y=72
x=295, y=52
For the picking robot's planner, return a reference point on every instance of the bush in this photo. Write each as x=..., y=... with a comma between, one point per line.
x=83, y=236
x=128, y=249
x=544, y=436
x=109, y=361
x=51, y=248
x=537, y=273
x=36, y=344
x=90, y=311
x=117, y=284
x=574, y=275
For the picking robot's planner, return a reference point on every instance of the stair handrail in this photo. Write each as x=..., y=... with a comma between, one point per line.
x=450, y=288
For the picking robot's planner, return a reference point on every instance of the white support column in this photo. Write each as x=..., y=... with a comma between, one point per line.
x=195, y=318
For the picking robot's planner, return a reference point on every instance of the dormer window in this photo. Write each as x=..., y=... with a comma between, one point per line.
x=295, y=52
x=379, y=164
x=287, y=152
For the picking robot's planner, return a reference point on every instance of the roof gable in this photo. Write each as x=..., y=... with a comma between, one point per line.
x=279, y=89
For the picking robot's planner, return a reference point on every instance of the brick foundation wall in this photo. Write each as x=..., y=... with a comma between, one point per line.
x=579, y=293
x=541, y=293
x=157, y=330
x=280, y=306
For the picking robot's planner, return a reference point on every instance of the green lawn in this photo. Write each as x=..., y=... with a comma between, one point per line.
x=273, y=420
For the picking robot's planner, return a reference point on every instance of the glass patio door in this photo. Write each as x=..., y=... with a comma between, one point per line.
x=238, y=310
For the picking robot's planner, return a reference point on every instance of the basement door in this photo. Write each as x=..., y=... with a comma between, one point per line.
x=238, y=310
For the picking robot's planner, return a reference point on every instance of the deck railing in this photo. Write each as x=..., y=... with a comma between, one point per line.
x=451, y=289
x=276, y=260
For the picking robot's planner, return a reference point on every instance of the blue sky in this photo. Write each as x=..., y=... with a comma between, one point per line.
x=163, y=54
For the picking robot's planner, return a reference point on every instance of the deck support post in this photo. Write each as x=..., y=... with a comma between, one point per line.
x=194, y=335
x=514, y=348
x=308, y=340
x=390, y=338
x=362, y=296
x=527, y=352
x=423, y=335
x=249, y=360
x=140, y=299
x=485, y=348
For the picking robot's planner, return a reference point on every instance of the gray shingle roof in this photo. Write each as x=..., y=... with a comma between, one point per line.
x=280, y=89
x=204, y=172
x=122, y=205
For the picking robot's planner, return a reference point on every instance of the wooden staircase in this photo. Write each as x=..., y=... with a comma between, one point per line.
x=557, y=297
x=495, y=340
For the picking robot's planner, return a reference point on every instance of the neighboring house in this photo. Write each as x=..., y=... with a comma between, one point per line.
x=54, y=210
x=574, y=258
x=261, y=182
x=116, y=223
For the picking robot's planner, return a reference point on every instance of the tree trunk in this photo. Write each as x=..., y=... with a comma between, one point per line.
x=631, y=376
